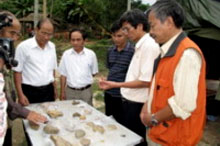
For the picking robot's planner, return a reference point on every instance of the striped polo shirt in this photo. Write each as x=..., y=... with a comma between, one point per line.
x=118, y=63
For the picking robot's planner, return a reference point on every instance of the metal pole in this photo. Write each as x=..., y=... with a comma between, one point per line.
x=36, y=7
x=129, y=5
x=44, y=8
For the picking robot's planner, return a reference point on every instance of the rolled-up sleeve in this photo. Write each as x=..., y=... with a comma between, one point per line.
x=62, y=66
x=94, y=64
x=20, y=57
x=185, y=83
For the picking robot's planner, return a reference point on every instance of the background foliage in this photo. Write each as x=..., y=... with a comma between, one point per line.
x=92, y=14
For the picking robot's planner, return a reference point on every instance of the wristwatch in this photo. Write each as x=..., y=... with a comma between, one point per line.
x=154, y=121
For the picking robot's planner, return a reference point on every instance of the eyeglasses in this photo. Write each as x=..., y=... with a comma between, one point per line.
x=47, y=34
x=127, y=29
x=14, y=33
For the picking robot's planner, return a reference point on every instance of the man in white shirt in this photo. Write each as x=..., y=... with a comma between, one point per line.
x=14, y=110
x=135, y=88
x=35, y=74
x=77, y=67
x=176, y=109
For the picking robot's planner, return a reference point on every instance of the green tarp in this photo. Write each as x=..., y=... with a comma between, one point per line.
x=202, y=18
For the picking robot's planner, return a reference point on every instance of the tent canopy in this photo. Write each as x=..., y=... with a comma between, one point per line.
x=202, y=18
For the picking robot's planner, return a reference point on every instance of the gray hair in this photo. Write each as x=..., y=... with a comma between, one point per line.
x=166, y=8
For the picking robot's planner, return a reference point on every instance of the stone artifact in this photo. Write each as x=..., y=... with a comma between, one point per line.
x=87, y=112
x=111, y=127
x=90, y=124
x=76, y=114
x=49, y=129
x=85, y=141
x=59, y=141
x=75, y=102
x=98, y=128
x=80, y=133
x=54, y=113
x=82, y=117
x=33, y=125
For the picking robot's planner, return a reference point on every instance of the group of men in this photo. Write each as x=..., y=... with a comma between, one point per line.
x=34, y=76
x=156, y=87
x=159, y=92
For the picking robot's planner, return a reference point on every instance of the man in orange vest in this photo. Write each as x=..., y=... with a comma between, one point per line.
x=175, y=111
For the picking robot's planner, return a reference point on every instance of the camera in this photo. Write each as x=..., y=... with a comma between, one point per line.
x=7, y=51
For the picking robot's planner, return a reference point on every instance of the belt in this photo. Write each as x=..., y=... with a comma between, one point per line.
x=83, y=88
x=38, y=87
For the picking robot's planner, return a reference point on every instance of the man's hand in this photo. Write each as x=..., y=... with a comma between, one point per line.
x=105, y=85
x=62, y=96
x=23, y=100
x=145, y=116
x=36, y=118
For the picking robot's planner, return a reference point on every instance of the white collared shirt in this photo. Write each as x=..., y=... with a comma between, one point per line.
x=78, y=68
x=141, y=68
x=185, y=82
x=36, y=64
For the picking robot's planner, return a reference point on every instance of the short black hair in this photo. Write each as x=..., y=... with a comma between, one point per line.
x=166, y=8
x=84, y=35
x=115, y=26
x=42, y=21
x=135, y=17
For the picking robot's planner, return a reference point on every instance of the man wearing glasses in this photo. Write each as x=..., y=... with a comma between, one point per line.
x=35, y=73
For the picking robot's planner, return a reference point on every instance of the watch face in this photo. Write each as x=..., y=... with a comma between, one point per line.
x=154, y=122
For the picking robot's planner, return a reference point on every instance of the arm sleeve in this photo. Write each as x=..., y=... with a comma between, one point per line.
x=148, y=56
x=62, y=66
x=20, y=57
x=94, y=64
x=15, y=110
x=185, y=83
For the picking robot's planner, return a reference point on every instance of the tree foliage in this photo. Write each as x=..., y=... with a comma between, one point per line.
x=94, y=14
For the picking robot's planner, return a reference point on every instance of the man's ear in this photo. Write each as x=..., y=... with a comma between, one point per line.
x=140, y=26
x=170, y=21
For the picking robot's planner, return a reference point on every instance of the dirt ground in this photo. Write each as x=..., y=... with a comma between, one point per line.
x=211, y=135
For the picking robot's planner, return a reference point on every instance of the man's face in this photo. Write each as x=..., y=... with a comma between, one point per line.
x=77, y=40
x=131, y=32
x=45, y=33
x=119, y=38
x=12, y=32
x=158, y=30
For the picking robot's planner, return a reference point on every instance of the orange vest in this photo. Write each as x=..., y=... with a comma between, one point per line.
x=178, y=132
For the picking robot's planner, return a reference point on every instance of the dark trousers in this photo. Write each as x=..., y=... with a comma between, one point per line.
x=131, y=118
x=39, y=94
x=8, y=138
x=113, y=106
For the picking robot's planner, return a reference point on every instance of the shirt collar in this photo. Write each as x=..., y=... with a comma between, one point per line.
x=165, y=47
x=141, y=41
x=34, y=43
x=82, y=52
x=126, y=48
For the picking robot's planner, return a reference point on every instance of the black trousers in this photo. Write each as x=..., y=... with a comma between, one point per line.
x=113, y=106
x=39, y=94
x=131, y=118
x=8, y=138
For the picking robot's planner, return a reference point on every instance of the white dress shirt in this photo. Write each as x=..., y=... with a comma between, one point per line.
x=141, y=68
x=185, y=82
x=78, y=68
x=36, y=64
